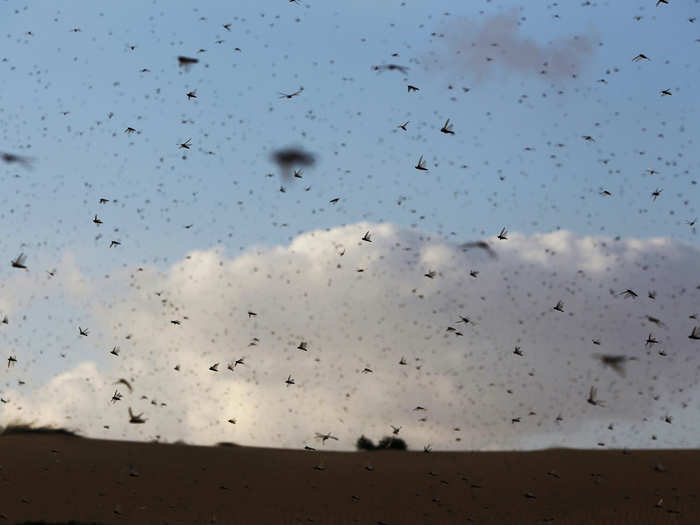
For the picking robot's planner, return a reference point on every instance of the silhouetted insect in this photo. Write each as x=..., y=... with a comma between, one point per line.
x=186, y=62
x=421, y=164
x=136, y=419
x=390, y=67
x=19, y=262
x=447, y=128
x=291, y=95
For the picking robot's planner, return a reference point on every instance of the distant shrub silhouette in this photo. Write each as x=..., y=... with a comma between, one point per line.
x=386, y=443
x=18, y=427
x=227, y=444
x=364, y=443
x=391, y=443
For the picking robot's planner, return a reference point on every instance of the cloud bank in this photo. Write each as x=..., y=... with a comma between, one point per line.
x=361, y=305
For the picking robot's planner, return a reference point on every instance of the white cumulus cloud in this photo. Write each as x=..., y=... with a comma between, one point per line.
x=372, y=307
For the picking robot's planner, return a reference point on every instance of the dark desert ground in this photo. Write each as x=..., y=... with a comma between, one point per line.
x=58, y=478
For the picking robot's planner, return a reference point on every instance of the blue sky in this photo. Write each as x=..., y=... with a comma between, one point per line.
x=479, y=180
x=350, y=124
